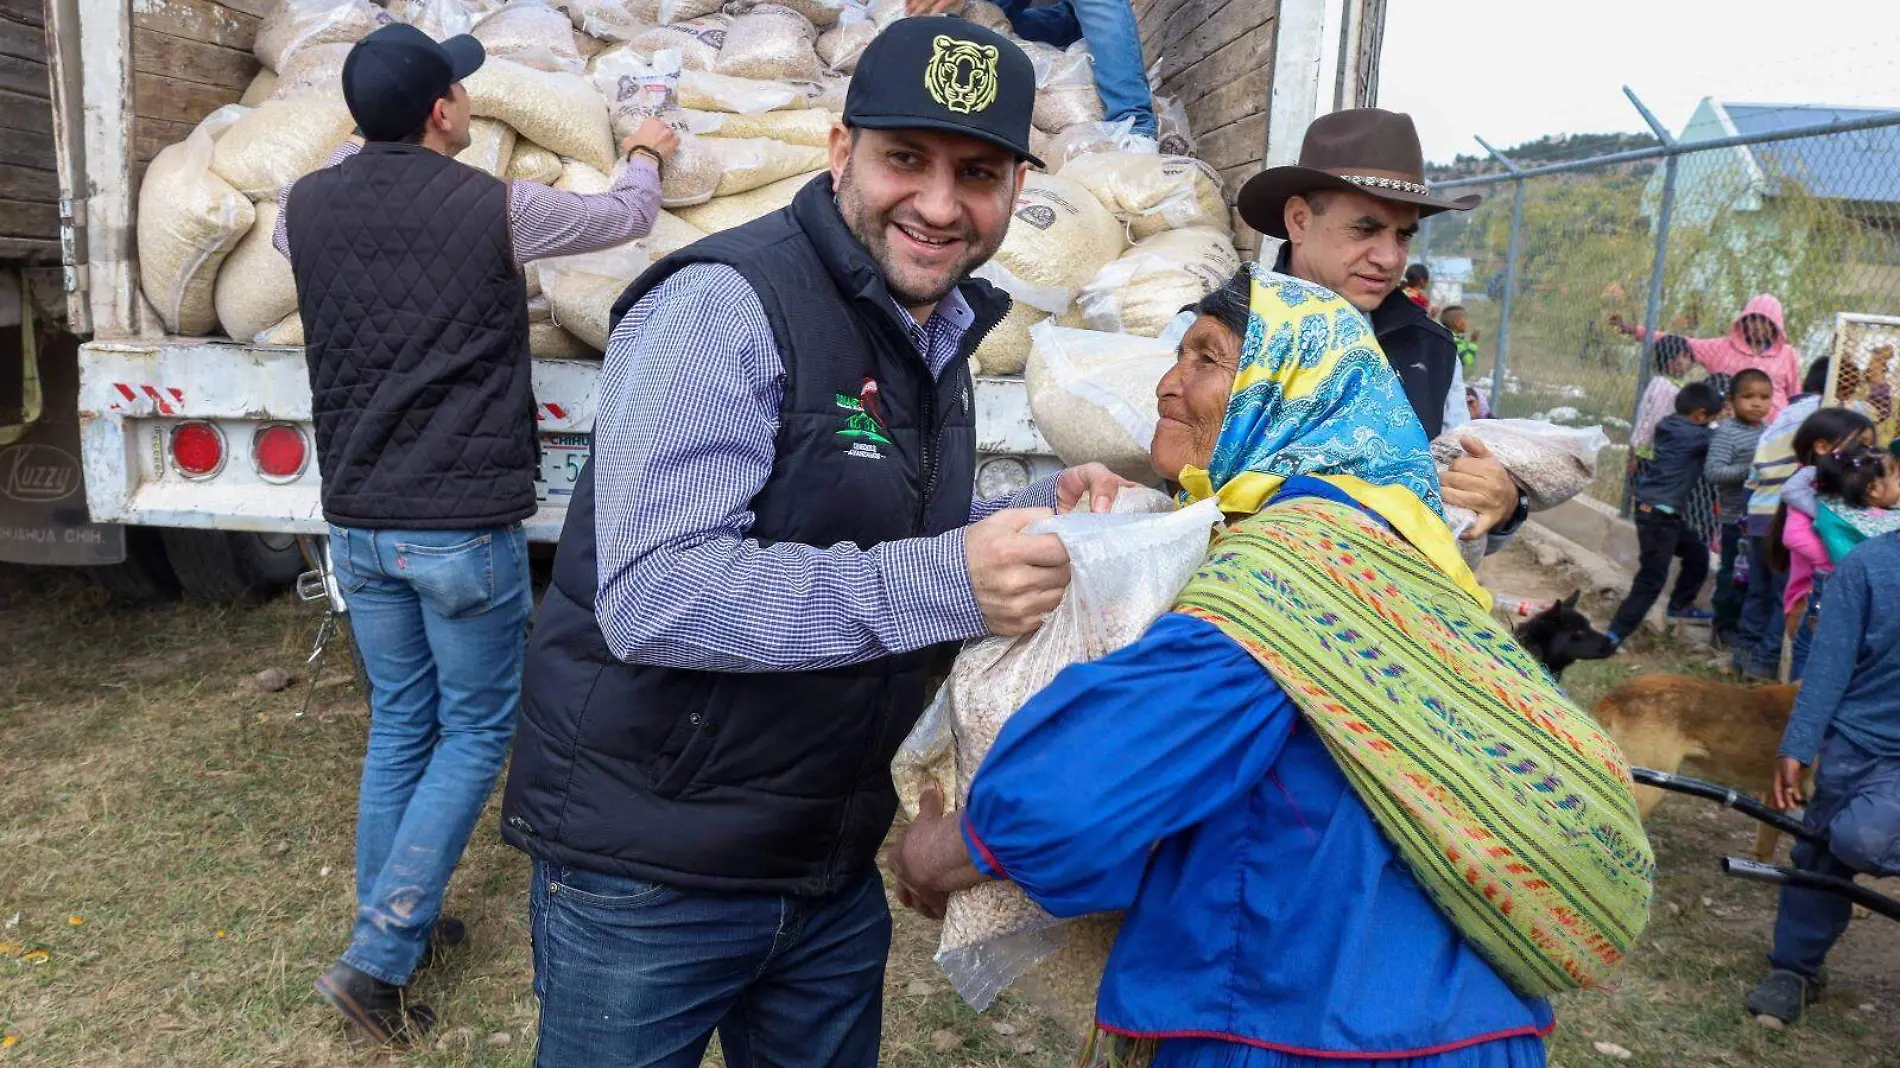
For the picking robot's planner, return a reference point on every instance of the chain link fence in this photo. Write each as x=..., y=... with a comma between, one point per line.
x=1558, y=267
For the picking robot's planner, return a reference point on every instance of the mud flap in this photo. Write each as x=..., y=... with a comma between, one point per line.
x=43, y=517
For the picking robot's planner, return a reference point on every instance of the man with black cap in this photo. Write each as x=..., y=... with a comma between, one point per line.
x=763, y=567
x=1348, y=212
x=409, y=284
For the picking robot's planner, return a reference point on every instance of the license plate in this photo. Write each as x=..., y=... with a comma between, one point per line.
x=562, y=457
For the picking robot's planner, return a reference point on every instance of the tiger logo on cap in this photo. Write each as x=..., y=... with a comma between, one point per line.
x=962, y=74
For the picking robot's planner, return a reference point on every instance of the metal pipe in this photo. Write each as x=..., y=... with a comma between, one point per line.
x=1652, y=308
x=1510, y=292
x=1728, y=797
x=1679, y=148
x=1755, y=871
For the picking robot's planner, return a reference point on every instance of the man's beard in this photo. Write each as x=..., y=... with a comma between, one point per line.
x=872, y=231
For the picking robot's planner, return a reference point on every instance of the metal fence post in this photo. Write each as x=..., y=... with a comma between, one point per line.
x=1510, y=279
x=1652, y=308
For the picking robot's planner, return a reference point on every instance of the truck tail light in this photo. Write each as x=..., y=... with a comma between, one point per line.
x=280, y=452
x=197, y=449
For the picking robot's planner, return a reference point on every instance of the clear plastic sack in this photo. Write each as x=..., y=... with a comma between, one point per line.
x=296, y=24
x=317, y=69
x=581, y=290
x=1143, y=291
x=1059, y=237
x=440, y=19
x=771, y=43
x=561, y=112
x=279, y=142
x=751, y=163
x=1085, y=138
x=927, y=759
x=255, y=289
x=605, y=20
x=1093, y=395
x=671, y=11
x=810, y=127
x=724, y=213
x=1175, y=135
x=698, y=42
x=636, y=88
x=822, y=14
x=532, y=34
x=189, y=219
x=702, y=91
x=533, y=163
x=840, y=46
x=1065, y=86
x=491, y=146
x=1126, y=569
x=1150, y=193
x=1551, y=463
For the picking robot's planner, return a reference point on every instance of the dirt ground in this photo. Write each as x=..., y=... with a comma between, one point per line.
x=175, y=867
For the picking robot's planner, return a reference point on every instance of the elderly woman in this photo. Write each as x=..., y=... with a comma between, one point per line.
x=1346, y=817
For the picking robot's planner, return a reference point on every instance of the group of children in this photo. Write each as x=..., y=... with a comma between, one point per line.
x=1790, y=497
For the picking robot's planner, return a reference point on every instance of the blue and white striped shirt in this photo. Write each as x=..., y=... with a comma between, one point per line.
x=684, y=440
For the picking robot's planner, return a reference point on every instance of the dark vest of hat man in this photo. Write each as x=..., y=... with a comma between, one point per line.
x=1348, y=212
x=414, y=308
x=764, y=564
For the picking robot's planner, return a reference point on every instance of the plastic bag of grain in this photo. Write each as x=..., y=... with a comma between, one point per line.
x=809, y=127
x=1126, y=569
x=822, y=14
x=698, y=41
x=581, y=290
x=491, y=146
x=771, y=43
x=669, y=12
x=693, y=173
x=262, y=88
x=578, y=177
x=1085, y=138
x=561, y=112
x=533, y=163
x=724, y=213
x=604, y=20
x=440, y=19
x=296, y=24
x=1093, y=395
x=1152, y=193
x=189, y=219
x=827, y=93
x=254, y=288
x=840, y=46
x=1171, y=120
x=636, y=88
x=287, y=332
x=548, y=340
x=989, y=16
x=1144, y=290
x=702, y=91
x=1059, y=236
x=1065, y=87
x=746, y=164
x=532, y=34
x=317, y=69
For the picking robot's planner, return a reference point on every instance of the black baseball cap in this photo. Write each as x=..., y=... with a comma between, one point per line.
x=944, y=73
x=393, y=77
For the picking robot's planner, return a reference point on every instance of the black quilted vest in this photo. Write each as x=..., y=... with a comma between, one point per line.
x=416, y=333
x=772, y=782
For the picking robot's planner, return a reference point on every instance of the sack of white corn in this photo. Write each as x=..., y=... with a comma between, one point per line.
x=287, y=332
x=1085, y=138
x=491, y=145
x=254, y=289
x=702, y=91
x=1093, y=395
x=189, y=219
x=698, y=42
x=581, y=290
x=533, y=163
x=279, y=142
x=989, y=16
x=262, y=88
x=1058, y=239
x=822, y=14
x=1126, y=569
x=1144, y=290
x=808, y=127
x=668, y=12
x=532, y=34
x=296, y=24
x=1175, y=135
x=724, y=213
x=1550, y=463
x=547, y=340
x=1152, y=193
x=316, y=69
x=440, y=19
x=828, y=92
x=746, y=164
x=636, y=88
x=840, y=46
x=771, y=42
x=1065, y=87
x=604, y=20
x=578, y=177
x=561, y=112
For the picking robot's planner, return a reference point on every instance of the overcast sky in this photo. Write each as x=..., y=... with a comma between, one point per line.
x=1513, y=71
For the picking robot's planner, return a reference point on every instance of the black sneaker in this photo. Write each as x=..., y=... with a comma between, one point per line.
x=1781, y=996
x=378, y=1008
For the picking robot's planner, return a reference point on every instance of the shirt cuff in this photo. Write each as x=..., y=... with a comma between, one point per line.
x=927, y=581
x=1038, y=494
x=980, y=856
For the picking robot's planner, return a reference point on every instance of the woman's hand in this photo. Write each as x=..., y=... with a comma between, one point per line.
x=1092, y=482
x=1787, y=792
x=930, y=862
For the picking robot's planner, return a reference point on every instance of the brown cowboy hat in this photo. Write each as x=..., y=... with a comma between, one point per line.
x=1366, y=150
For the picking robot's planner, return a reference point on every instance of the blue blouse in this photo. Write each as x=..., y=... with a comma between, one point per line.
x=1269, y=922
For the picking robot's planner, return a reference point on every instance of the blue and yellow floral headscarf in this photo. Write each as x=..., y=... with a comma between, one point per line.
x=1314, y=396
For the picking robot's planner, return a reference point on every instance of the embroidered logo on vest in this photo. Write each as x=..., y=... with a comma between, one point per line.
x=863, y=423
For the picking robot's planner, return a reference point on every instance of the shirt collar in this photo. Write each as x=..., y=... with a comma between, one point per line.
x=952, y=310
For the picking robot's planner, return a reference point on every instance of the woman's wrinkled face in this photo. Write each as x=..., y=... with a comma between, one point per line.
x=1192, y=398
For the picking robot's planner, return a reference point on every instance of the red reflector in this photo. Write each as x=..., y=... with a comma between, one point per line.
x=280, y=451
x=197, y=449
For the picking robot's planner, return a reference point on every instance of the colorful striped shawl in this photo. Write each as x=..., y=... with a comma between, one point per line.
x=1507, y=802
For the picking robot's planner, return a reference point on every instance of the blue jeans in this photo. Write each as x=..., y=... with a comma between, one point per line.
x=1804, y=634
x=1761, y=612
x=633, y=974
x=1857, y=802
x=440, y=618
x=1114, y=40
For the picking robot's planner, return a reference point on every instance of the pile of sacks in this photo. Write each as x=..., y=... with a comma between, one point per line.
x=1117, y=241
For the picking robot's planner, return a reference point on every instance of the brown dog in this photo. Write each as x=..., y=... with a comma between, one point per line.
x=1728, y=733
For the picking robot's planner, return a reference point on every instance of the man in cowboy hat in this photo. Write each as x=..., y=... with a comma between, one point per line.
x=1347, y=214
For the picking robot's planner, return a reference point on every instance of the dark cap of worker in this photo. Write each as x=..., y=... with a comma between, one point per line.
x=945, y=73
x=393, y=77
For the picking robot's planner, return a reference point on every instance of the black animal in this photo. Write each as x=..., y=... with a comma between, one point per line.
x=1560, y=636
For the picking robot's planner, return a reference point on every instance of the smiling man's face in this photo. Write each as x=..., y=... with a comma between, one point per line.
x=930, y=207
x=1351, y=243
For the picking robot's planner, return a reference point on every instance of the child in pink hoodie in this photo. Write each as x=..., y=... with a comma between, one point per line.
x=1758, y=338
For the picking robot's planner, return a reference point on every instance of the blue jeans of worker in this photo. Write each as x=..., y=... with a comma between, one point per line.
x=634, y=974
x=1114, y=40
x=440, y=618
x=1761, y=612
x=1857, y=802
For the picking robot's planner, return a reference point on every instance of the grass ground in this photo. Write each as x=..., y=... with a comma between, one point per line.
x=177, y=848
